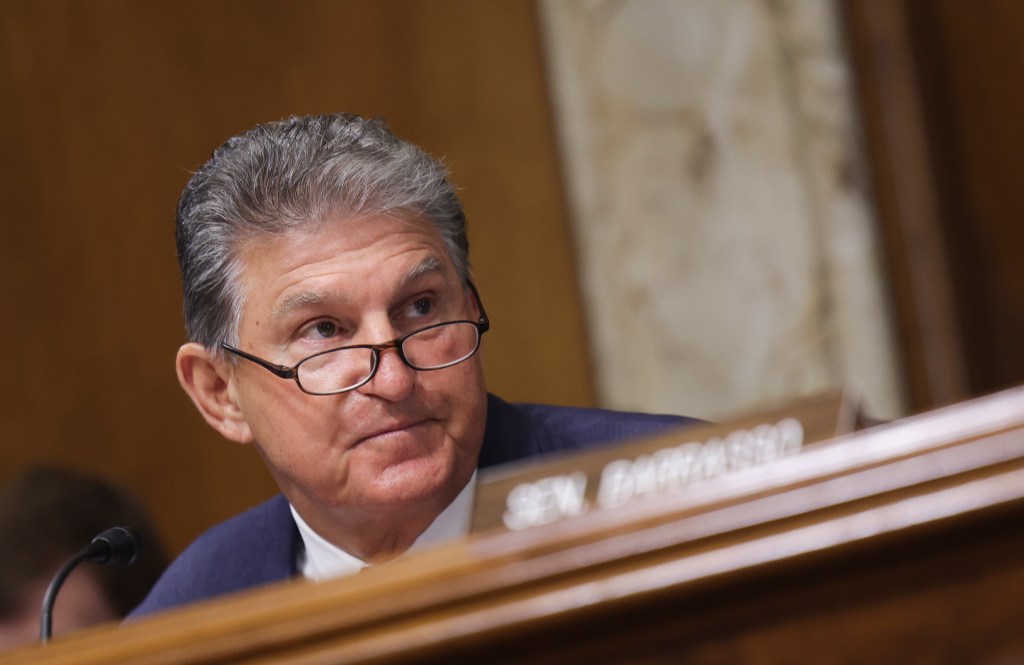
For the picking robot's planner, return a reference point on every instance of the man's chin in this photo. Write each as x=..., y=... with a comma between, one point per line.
x=416, y=479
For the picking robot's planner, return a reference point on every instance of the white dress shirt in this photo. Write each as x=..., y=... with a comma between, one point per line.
x=322, y=560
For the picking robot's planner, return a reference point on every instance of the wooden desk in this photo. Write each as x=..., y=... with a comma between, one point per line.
x=902, y=543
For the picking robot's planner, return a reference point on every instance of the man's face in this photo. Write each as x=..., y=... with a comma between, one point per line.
x=406, y=440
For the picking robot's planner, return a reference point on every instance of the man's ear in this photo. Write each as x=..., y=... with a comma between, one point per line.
x=208, y=383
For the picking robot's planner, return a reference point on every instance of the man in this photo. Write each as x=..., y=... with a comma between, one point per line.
x=333, y=325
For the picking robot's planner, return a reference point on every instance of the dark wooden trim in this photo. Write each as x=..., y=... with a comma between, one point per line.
x=906, y=200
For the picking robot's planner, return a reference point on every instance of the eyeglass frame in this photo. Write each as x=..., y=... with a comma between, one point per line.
x=483, y=324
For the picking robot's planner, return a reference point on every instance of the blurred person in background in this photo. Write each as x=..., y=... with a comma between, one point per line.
x=47, y=514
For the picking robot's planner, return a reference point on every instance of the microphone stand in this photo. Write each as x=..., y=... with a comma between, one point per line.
x=117, y=546
x=46, y=618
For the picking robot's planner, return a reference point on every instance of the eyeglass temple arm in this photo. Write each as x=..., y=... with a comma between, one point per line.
x=280, y=370
x=485, y=323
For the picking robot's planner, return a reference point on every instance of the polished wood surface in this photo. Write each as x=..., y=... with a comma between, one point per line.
x=106, y=107
x=897, y=544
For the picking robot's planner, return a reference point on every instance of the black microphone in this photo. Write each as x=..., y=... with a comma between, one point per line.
x=117, y=546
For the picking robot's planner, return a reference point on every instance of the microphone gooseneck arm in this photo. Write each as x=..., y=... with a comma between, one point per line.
x=117, y=546
x=46, y=618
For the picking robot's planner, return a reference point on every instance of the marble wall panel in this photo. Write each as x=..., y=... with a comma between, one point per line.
x=724, y=232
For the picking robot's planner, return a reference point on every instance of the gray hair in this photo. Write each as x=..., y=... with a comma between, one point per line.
x=293, y=174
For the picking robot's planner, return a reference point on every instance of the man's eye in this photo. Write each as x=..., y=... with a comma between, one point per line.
x=422, y=307
x=326, y=329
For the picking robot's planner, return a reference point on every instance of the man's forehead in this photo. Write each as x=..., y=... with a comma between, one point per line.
x=264, y=257
x=430, y=265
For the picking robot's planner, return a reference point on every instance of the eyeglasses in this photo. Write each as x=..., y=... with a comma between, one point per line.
x=340, y=370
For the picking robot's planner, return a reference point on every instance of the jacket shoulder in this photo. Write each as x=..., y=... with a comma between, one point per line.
x=517, y=431
x=578, y=427
x=253, y=548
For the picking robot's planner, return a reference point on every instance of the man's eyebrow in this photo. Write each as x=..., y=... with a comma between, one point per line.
x=431, y=264
x=305, y=299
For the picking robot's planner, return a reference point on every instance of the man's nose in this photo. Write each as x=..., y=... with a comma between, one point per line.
x=393, y=379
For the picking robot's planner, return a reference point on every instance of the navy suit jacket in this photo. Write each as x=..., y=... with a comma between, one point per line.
x=262, y=544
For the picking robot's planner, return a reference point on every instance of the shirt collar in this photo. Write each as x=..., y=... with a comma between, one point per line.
x=321, y=560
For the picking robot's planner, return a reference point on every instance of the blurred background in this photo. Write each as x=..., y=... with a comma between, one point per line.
x=690, y=206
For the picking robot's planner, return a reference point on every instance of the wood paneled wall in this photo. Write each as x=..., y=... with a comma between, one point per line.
x=105, y=107
x=942, y=90
x=972, y=84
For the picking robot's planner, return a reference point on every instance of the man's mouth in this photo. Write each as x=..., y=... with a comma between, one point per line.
x=391, y=430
